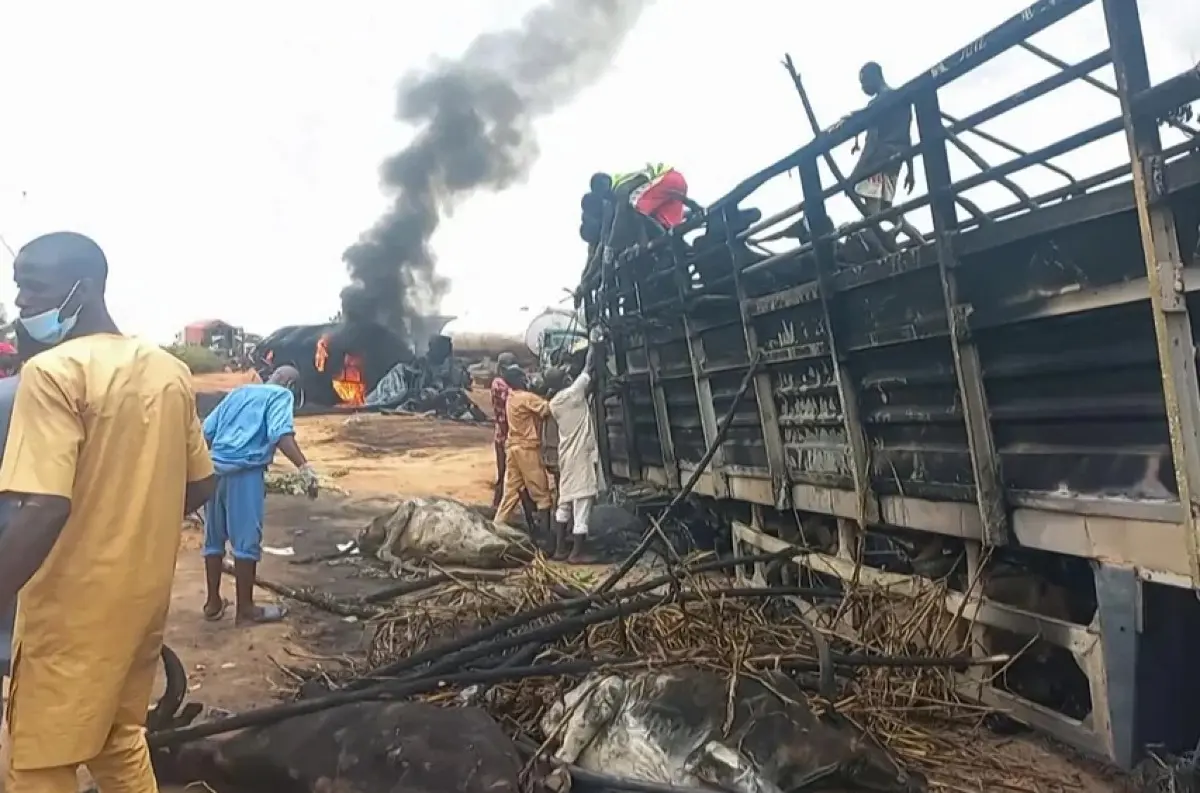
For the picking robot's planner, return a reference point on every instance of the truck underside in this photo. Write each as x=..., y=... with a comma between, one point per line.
x=1017, y=392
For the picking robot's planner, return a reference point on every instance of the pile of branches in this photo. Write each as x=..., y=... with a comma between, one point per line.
x=893, y=676
x=514, y=642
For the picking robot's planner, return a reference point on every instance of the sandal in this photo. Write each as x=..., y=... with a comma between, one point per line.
x=214, y=616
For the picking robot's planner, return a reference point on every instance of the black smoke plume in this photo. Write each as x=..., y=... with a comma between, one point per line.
x=475, y=118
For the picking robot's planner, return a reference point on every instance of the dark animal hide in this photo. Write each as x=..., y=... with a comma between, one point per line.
x=365, y=747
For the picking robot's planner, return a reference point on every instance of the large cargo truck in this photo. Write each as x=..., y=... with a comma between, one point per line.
x=1012, y=389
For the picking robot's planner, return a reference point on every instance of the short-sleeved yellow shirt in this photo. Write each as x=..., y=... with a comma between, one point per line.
x=110, y=423
x=526, y=411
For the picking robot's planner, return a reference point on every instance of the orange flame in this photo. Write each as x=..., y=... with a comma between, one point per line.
x=349, y=386
x=322, y=354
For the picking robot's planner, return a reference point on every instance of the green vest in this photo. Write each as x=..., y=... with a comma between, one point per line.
x=652, y=171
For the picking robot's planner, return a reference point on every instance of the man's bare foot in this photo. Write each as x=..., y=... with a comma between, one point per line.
x=259, y=615
x=560, y=542
x=578, y=555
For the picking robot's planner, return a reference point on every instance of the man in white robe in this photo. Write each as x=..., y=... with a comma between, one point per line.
x=578, y=457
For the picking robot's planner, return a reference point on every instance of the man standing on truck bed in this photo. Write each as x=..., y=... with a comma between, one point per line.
x=874, y=176
x=104, y=458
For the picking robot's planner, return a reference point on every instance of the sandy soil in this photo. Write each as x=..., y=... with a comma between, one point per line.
x=228, y=667
x=388, y=455
x=373, y=457
x=376, y=454
x=221, y=381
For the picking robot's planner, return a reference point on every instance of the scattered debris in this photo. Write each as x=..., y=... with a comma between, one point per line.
x=290, y=483
x=427, y=386
x=1162, y=772
x=689, y=619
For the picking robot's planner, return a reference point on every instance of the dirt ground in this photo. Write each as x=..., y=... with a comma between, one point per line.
x=221, y=381
x=371, y=454
x=372, y=458
x=230, y=668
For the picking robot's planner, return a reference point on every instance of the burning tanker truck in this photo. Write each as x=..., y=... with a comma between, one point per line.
x=339, y=364
x=366, y=365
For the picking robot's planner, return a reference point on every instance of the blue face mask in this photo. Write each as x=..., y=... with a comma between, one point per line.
x=50, y=327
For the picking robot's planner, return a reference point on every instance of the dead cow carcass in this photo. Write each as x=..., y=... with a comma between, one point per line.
x=669, y=727
x=365, y=747
x=1041, y=671
x=444, y=531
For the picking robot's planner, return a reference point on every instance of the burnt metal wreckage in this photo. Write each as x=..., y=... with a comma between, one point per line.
x=365, y=366
x=1018, y=391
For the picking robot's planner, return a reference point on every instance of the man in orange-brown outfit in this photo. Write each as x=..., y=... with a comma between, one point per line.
x=523, y=466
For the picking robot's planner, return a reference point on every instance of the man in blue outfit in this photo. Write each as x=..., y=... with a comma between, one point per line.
x=244, y=431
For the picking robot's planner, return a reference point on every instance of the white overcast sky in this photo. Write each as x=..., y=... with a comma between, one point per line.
x=224, y=154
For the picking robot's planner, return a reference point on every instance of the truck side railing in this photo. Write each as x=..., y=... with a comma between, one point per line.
x=1142, y=105
x=686, y=321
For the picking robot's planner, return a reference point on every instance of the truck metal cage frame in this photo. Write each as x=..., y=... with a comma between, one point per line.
x=1001, y=383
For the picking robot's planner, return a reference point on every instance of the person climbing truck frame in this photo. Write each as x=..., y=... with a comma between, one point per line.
x=656, y=191
x=875, y=175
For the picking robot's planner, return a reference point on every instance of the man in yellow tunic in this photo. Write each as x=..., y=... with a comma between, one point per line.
x=105, y=456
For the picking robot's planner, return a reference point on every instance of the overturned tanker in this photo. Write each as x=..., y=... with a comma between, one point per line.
x=339, y=364
x=1004, y=402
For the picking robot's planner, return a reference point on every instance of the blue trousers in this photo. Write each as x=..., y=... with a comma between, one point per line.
x=234, y=515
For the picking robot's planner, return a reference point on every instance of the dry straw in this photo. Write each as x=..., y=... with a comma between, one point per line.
x=915, y=711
